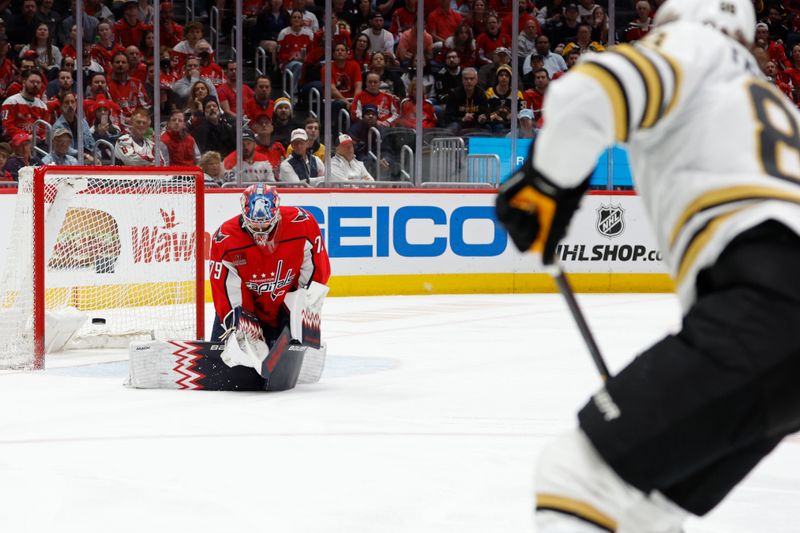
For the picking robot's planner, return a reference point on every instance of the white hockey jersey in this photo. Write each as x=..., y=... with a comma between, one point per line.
x=714, y=148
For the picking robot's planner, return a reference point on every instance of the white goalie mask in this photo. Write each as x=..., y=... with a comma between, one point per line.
x=735, y=18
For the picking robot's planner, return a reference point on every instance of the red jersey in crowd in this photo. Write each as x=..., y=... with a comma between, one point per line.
x=293, y=46
x=486, y=44
x=387, y=105
x=258, y=278
x=128, y=95
x=103, y=55
x=408, y=114
x=225, y=93
x=275, y=153
x=19, y=114
x=345, y=78
x=128, y=35
x=181, y=147
x=7, y=73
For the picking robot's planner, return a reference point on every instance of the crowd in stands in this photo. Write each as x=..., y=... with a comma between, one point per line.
x=466, y=81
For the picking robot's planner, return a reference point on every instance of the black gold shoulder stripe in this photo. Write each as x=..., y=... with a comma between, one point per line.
x=677, y=77
x=651, y=79
x=616, y=92
x=576, y=508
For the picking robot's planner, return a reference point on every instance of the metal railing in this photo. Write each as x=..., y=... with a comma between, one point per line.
x=448, y=159
x=243, y=184
x=288, y=88
x=260, y=61
x=190, y=11
x=366, y=184
x=314, y=102
x=374, y=139
x=483, y=168
x=407, y=162
x=48, y=137
x=214, y=24
x=96, y=152
x=344, y=120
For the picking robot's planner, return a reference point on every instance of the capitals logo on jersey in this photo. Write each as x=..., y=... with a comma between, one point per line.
x=274, y=284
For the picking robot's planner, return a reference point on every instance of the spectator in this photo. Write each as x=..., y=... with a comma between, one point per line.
x=302, y=166
x=283, y=121
x=48, y=56
x=552, y=62
x=22, y=26
x=359, y=22
x=360, y=52
x=407, y=46
x=385, y=103
x=182, y=148
x=448, y=77
x=255, y=167
x=777, y=29
x=69, y=120
x=213, y=130
x=491, y=39
x=793, y=72
x=8, y=70
x=261, y=102
x=499, y=100
x=171, y=31
x=477, y=17
x=315, y=147
x=583, y=41
x=486, y=74
x=599, y=23
x=266, y=146
x=191, y=75
x=381, y=40
x=463, y=44
x=309, y=19
x=642, y=24
x=104, y=129
x=227, y=91
x=46, y=14
x=360, y=133
x=129, y=29
x=190, y=45
x=524, y=17
x=127, y=92
x=61, y=85
x=567, y=30
x=391, y=81
x=534, y=98
x=21, y=110
x=585, y=10
x=525, y=129
x=137, y=68
x=268, y=26
x=774, y=49
x=345, y=166
x=404, y=18
x=427, y=81
x=467, y=107
x=103, y=51
x=345, y=10
x=780, y=79
x=137, y=147
x=442, y=22
x=147, y=46
x=98, y=9
x=5, y=153
x=294, y=43
x=345, y=81
x=146, y=12
x=59, y=155
x=209, y=70
x=25, y=64
x=22, y=157
x=90, y=24
x=211, y=164
x=527, y=39
x=550, y=14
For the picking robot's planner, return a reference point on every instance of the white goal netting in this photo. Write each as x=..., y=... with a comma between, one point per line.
x=117, y=258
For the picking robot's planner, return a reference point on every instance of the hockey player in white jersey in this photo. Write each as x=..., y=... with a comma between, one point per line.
x=715, y=151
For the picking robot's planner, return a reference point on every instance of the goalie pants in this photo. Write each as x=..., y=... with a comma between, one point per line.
x=701, y=408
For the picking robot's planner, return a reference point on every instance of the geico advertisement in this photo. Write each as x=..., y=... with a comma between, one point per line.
x=366, y=233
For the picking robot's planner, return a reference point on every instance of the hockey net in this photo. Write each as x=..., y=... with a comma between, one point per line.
x=113, y=252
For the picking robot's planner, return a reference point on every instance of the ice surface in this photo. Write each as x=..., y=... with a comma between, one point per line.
x=429, y=418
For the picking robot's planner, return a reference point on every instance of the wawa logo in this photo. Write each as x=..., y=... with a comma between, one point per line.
x=166, y=243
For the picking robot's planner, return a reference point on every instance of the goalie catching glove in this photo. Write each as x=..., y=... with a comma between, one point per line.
x=535, y=211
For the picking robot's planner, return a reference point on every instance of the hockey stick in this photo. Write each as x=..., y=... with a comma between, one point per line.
x=566, y=291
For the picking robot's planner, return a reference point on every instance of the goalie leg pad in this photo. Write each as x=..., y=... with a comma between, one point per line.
x=313, y=365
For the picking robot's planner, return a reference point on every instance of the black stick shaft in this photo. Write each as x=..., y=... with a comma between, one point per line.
x=583, y=326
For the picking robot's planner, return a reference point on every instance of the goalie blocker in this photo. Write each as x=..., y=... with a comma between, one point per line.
x=242, y=359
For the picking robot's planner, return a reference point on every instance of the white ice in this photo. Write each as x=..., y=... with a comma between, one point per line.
x=429, y=418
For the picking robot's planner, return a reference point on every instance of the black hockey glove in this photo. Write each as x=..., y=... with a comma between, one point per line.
x=535, y=212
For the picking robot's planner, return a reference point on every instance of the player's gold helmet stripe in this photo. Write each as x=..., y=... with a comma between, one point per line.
x=653, y=84
x=582, y=510
x=616, y=94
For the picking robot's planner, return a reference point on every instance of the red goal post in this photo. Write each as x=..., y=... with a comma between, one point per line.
x=121, y=248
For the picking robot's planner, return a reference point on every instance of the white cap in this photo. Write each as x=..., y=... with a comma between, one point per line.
x=299, y=135
x=525, y=113
x=344, y=138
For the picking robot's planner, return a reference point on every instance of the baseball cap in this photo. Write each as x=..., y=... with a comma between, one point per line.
x=61, y=131
x=248, y=135
x=502, y=50
x=525, y=113
x=20, y=138
x=299, y=135
x=571, y=6
x=369, y=108
x=344, y=138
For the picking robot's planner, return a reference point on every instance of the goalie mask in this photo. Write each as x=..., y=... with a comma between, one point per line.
x=261, y=213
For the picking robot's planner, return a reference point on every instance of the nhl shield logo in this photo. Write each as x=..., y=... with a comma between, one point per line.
x=610, y=222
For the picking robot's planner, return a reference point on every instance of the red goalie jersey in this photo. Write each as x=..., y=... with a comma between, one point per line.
x=258, y=278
